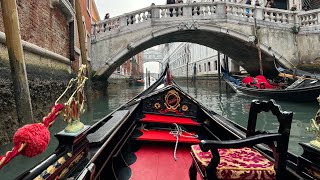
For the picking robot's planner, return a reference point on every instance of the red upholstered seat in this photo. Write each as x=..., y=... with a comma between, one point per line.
x=242, y=163
x=156, y=118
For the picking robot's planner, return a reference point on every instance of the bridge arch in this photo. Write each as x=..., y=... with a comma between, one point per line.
x=236, y=45
x=224, y=25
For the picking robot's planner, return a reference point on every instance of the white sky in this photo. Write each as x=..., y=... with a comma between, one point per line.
x=118, y=7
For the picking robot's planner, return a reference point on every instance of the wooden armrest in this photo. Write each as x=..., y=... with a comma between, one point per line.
x=206, y=145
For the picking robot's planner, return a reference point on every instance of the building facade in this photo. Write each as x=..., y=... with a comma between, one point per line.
x=194, y=60
x=131, y=68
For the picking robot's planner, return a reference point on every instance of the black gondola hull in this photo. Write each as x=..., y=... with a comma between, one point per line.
x=307, y=94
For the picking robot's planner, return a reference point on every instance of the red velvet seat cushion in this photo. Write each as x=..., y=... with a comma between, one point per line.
x=242, y=163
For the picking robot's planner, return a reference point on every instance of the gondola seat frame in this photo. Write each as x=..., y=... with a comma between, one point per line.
x=278, y=142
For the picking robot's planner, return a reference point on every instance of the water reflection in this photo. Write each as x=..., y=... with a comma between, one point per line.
x=230, y=105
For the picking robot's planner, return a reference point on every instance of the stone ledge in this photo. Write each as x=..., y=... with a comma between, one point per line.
x=38, y=50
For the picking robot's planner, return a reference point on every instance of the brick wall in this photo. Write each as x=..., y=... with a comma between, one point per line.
x=42, y=25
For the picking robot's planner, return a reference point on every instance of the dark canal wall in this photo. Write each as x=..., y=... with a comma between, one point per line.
x=46, y=85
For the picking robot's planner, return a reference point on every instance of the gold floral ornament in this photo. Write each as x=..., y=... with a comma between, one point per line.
x=315, y=127
x=157, y=105
x=184, y=108
x=172, y=100
x=74, y=107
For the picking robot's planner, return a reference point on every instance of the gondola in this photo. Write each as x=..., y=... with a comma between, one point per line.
x=164, y=133
x=290, y=85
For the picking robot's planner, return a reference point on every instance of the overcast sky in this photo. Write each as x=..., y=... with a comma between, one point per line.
x=118, y=7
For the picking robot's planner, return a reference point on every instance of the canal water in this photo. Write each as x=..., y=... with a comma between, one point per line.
x=220, y=100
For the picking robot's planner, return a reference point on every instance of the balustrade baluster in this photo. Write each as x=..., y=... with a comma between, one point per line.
x=243, y=12
x=201, y=11
x=144, y=16
x=266, y=16
x=139, y=17
x=134, y=19
x=250, y=14
x=312, y=19
x=229, y=10
x=272, y=17
x=284, y=18
x=277, y=18
x=212, y=10
x=290, y=18
x=149, y=15
x=174, y=12
x=168, y=12
x=206, y=10
x=179, y=11
x=163, y=12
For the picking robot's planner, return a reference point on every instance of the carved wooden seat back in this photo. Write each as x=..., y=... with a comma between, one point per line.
x=278, y=142
x=284, y=119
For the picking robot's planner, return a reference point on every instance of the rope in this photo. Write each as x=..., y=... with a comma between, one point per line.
x=178, y=132
x=11, y=154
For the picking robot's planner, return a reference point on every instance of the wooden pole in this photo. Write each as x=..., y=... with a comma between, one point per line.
x=188, y=72
x=17, y=64
x=81, y=32
x=258, y=46
x=219, y=70
x=82, y=40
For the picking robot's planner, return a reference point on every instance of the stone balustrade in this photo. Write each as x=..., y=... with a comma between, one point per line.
x=279, y=15
x=309, y=18
x=218, y=9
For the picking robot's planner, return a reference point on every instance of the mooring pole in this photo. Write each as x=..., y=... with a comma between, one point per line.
x=17, y=63
x=81, y=32
x=219, y=70
x=258, y=46
x=188, y=72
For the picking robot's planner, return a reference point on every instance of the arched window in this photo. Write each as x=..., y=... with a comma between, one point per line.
x=209, y=68
x=199, y=68
x=205, y=67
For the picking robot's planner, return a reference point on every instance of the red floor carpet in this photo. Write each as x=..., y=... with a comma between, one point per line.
x=155, y=162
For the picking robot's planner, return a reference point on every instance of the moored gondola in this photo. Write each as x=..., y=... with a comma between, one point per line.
x=163, y=133
x=297, y=87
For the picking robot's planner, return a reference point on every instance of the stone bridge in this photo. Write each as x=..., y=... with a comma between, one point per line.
x=152, y=55
x=225, y=25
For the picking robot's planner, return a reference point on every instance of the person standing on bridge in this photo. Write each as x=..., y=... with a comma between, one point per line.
x=248, y=2
x=107, y=16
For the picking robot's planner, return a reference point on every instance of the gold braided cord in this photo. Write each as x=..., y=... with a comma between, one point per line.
x=68, y=87
x=22, y=146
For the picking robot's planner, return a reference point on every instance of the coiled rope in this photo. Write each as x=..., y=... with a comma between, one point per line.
x=177, y=133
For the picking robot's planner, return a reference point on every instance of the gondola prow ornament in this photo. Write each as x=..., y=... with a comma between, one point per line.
x=315, y=127
x=74, y=107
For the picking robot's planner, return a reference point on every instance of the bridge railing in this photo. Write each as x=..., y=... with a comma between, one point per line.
x=219, y=9
x=309, y=18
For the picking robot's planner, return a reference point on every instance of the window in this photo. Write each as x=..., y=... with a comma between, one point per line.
x=215, y=65
x=205, y=67
x=199, y=68
x=209, y=68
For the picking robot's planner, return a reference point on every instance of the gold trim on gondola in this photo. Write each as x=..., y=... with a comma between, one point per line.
x=172, y=100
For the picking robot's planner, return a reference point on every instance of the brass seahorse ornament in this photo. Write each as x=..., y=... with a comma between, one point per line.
x=315, y=127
